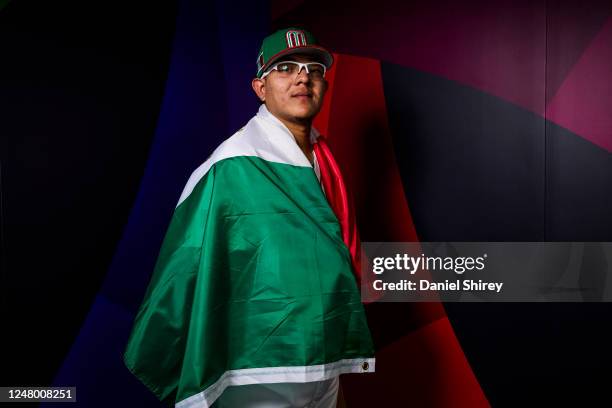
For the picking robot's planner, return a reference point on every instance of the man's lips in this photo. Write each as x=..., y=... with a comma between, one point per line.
x=302, y=93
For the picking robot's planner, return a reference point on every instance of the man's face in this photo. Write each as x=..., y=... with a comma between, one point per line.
x=297, y=98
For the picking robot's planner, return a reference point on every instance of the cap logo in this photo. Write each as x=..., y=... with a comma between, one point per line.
x=296, y=38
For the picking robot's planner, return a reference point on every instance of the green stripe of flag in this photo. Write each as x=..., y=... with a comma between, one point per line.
x=252, y=273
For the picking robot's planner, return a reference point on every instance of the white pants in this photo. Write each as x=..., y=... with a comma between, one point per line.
x=318, y=394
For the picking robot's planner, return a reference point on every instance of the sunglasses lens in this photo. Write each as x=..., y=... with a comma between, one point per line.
x=316, y=70
x=288, y=68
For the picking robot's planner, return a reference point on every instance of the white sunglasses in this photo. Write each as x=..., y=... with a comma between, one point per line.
x=315, y=70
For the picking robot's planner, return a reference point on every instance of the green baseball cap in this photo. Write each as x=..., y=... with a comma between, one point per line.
x=289, y=41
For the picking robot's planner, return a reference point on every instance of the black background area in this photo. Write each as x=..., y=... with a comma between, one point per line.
x=81, y=86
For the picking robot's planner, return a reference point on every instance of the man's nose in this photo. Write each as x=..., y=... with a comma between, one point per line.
x=302, y=75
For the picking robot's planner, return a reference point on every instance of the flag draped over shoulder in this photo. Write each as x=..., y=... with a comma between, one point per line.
x=254, y=283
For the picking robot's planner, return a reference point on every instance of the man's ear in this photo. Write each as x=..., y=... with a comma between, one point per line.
x=259, y=88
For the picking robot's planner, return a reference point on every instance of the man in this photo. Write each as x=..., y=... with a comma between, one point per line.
x=254, y=300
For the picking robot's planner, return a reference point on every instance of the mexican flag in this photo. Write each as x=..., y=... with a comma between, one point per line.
x=254, y=282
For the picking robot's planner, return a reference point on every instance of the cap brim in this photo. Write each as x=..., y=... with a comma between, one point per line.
x=319, y=52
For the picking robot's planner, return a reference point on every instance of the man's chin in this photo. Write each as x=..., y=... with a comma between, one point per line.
x=304, y=115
